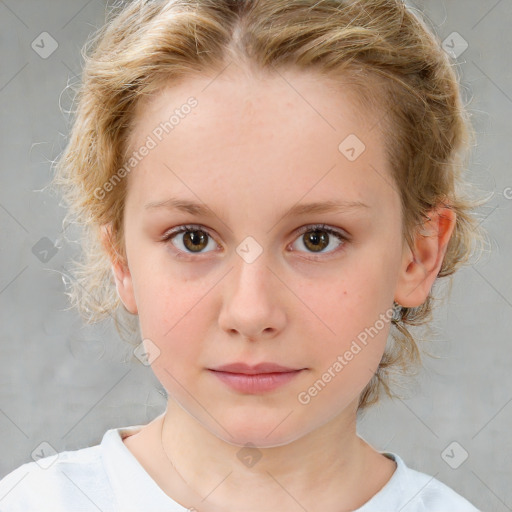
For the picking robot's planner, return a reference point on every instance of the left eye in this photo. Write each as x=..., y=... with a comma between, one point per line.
x=317, y=238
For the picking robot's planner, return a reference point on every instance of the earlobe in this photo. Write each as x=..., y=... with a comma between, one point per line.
x=421, y=266
x=121, y=272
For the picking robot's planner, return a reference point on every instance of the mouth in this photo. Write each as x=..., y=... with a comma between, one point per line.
x=256, y=380
x=258, y=369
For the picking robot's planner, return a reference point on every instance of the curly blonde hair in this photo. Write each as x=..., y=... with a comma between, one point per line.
x=394, y=62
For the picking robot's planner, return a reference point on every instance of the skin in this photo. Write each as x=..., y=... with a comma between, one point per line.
x=253, y=148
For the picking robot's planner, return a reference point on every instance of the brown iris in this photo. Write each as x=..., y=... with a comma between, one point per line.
x=316, y=240
x=194, y=240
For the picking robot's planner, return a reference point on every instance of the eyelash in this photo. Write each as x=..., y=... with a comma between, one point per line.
x=312, y=227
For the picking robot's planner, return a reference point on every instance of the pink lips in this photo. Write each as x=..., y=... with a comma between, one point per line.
x=255, y=379
x=252, y=370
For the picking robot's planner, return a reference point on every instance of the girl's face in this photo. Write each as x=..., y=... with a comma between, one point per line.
x=251, y=281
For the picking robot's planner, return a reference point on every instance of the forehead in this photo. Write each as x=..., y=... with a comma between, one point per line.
x=268, y=135
x=236, y=92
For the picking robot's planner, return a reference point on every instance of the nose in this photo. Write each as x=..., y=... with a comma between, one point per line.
x=253, y=301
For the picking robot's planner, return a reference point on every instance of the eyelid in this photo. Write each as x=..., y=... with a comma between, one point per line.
x=184, y=227
x=330, y=229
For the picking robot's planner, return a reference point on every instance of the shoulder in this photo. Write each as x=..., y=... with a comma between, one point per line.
x=425, y=493
x=55, y=482
x=438, y=497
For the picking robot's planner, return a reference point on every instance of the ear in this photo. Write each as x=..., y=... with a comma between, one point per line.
x=421, y=266
x=122, y=276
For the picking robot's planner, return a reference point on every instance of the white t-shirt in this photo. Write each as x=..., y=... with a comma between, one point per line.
x=108, y=478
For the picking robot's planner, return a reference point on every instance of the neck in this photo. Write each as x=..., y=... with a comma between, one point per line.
x=330, y=469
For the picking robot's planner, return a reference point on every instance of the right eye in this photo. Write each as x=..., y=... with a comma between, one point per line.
x=195, y=239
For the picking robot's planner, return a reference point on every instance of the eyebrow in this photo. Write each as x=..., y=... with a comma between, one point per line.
x=199, y=209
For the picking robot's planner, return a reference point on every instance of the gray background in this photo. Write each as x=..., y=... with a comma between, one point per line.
x=65, y=384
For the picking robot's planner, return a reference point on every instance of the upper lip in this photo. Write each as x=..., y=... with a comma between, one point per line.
x=256, y=369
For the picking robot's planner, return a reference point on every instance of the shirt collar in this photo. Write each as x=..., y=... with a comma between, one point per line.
x=133, y=488
x=390, y=495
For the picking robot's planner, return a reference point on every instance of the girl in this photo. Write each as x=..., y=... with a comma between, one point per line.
x=269, y=191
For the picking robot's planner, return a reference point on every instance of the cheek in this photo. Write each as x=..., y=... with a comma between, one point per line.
x=351, y=297
x=179, y=327
x=168, y=290
x=176, y=314
x=349, y=315
x=344, y=362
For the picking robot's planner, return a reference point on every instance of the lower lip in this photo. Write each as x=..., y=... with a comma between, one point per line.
x=257, y=383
